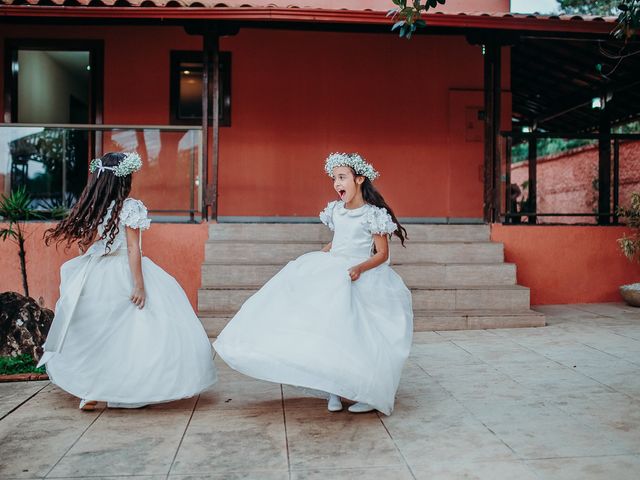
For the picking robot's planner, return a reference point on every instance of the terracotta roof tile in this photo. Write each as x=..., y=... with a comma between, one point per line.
x=374, y=6
x=359, y=11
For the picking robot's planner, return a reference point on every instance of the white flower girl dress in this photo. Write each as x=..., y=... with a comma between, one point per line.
x=102, y=347
x=312, y=327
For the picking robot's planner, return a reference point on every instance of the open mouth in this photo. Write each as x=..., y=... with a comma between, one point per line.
x=341, y=193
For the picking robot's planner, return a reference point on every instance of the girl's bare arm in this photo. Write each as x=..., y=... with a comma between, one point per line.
x=381, y=256
x=138, y=295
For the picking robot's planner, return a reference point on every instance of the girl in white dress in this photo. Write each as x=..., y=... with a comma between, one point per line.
x=124, y=331
x=339, y=320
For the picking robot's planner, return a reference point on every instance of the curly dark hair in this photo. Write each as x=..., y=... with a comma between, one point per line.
x=372, y=196
x=81, y=225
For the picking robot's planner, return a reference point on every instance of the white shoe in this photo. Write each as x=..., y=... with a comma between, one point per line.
x=361, y=408
x=87, y=405
x=126, y=405
x=334, y=405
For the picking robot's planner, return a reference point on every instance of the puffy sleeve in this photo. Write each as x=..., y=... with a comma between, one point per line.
x=326, y=216
x=134, y=214
x=379, y=222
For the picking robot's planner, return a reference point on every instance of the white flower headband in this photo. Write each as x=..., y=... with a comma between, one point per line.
x=131, y=163
x=353, y=160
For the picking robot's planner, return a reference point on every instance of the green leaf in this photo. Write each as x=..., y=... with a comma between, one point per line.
x=398, y=24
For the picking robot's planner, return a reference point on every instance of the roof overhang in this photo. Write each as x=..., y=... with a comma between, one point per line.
x=481, y=21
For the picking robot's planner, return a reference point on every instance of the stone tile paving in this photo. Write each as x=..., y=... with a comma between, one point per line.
x=560, y=402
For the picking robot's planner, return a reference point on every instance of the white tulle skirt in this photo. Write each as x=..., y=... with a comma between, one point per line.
x=311, y=326
x=115, y=352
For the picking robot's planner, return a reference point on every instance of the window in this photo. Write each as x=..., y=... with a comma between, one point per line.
x=186, y=88
x=49, y=82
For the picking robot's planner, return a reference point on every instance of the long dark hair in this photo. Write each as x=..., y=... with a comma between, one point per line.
x=372, y=196
x=81, y=225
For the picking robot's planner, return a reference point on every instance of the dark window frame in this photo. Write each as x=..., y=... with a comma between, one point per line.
x=195, y=56
x=96, y=79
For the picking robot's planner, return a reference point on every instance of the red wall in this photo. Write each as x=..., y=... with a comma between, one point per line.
x=178, y=249
x=298, y=96
x=567, y=264
x=560, y=264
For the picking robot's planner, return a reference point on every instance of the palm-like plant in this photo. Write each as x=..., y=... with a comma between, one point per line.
x=16, y=210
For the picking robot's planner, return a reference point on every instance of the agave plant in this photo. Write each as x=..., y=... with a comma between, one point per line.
x=630, y=245
x=16, y=210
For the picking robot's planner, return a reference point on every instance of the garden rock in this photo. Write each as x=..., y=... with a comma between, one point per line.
x=23, y=325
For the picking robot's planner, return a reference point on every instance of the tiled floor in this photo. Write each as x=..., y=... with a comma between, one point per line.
x=560, y=402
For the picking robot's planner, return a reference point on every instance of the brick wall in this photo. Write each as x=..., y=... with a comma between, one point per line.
x=566, y=181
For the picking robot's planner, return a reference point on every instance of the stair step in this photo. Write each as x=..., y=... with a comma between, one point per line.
x=430, y=320
x=414, y=275
x=318, y=232
x=281, y=252
x=228, y=300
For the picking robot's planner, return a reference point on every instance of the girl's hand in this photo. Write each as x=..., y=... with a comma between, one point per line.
x=138, y=297
x=355, y=272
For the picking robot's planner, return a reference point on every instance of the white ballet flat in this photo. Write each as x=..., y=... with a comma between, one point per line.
x=334, y=405
x=361, y=408
x=126, y=405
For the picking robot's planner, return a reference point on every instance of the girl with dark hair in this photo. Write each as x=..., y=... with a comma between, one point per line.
x=124, y=331
x=340, y=320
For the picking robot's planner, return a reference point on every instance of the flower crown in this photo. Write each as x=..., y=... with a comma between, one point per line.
x=131, y=163
x=353, y=160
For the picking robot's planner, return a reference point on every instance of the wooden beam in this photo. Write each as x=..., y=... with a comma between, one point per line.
x=492, y=91
x=215, y=125
x=206, y=62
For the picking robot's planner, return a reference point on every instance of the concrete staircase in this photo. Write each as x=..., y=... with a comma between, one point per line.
x=457, y=276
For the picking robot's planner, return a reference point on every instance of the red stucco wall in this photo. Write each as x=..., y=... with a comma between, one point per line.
x=179, y=249
x=567, y=264
x=297, y=96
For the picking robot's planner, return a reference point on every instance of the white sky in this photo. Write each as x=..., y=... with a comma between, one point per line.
x=530, y=6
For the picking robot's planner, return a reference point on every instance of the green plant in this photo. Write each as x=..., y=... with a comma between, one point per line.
x=630, y=245
x=19, y=364
x=16, y=210
x=408, y=18
x=628, y=20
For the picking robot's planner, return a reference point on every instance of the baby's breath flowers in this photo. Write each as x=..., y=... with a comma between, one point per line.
x=353, y=160
x=130, y=163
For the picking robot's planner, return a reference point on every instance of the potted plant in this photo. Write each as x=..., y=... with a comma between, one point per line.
x=630, y=246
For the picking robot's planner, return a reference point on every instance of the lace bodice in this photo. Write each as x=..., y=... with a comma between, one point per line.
x=133, y=214
x=354, y=228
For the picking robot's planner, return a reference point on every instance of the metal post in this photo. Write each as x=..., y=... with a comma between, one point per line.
x=509, y=210
x=532, y=199
x=604, y=166
x=616, y=180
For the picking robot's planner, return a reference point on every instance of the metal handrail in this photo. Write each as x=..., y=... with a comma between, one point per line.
x=93, y=126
